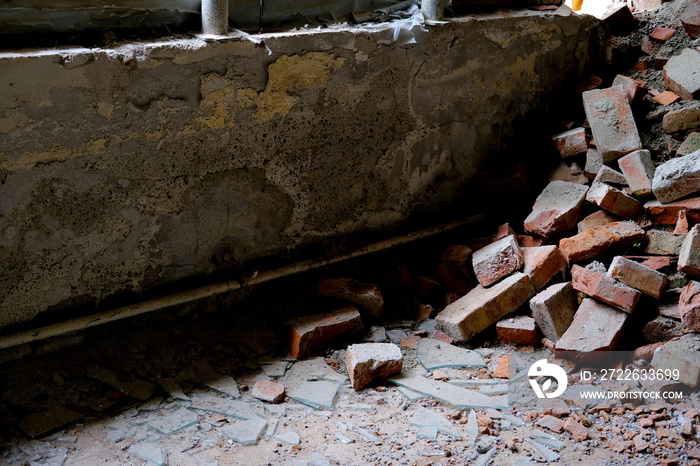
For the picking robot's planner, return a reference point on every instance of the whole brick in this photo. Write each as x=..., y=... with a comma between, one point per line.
x=596, y=327
x=689, y=306
x=690, y=144
x=667, y=214
x=497, y=260
x=680, y=353
x=600, y=240
x=639, y=277
x=571, y=143
x=269, y=391
x=613, y=200
x=609, y=176
x=597, y=218
x=682, y=74
x=689, y=256
x=520, y=330
x=372, y=362
x=542, y=263
x=365, y=296
x=481, y=307
x=683, y=119
x=310, y=334
x=604, y=288
x=690, y=18
x=557, y=209
x=639, y=171
x=677, y=178
x=663, y=243
x=612, y=123
x=553, y=310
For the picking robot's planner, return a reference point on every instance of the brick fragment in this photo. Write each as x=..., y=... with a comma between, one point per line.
x=689, y=306
x=570, y=143
x=690, y=144
x=596, y=327
x=633, y=91
x=690, y=18
x=646, y=5
x=527, y=241
x=613, y=200
x=570, y=173
x=552, y=423
x=680, y=353
x=604, y=288
x=597, y=218
x=269, y=391
x=618, y=17
x=638, y=169
x=577, y=430
x=612, y=122
x=312, y=333
x=372, y=362
x=542, y=264
x=661, y=328
x=505, y=369
x=646, y=352
x=497, y=260
x=683, y=119
x=520, y=330
x=682, y=74
x=594, y=162
x=482, y=307
x=609, y=176
x=663, y=243
x=600, y=240
x=557, y=209
x=666, y=98
x=639, y=277
x=553, y=310
x=677, y=178
x=662, y=34
x=366, y=297
x=689, y=255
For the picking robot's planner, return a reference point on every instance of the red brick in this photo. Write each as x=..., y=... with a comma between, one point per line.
x=662, y=34
x=553, y=310
x=552, y=423
x=527, y=241
x=646, y=352
x=666, y=98
x=612, y=123
x=372, y=362
x=613, y=200
x=426, y=286
x=442, y=336
x=661, y=328
x=690, y=18
x=541, y=264
x=682, y=227
x=596, y=327
x=656, y=263
x=453, y=279
x=505, y=369
x=269, y=391
x=663, y=243
x=683, y=119
x=639, y=171
x=689, y=256
x=689, y=306
x=667, y=214
x=681, y=74
x=577, y=430
x=604, y=288
x=557, y=209
x=497, y=260
x=310, y=334
x=571, y=143
x=520, y=330
x=366, y=297
x=633, y=91
x=594, y=162
x=600, y=240
x=648, y=46
x=618, y=17
x=639, y=277
x=609, y=176
x=482, y=307
x=597, y=218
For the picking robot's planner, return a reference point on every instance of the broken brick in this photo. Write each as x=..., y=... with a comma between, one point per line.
x=527, y=241
x=552, y=423
x=661, y=328
x=553, y=310
x=576, y=429
x=372, y=362
x=600, y=240
x=453, y=279
x=505, y=368
x=633, y=90
x=683, y=119
x=269, y=391
x=689, y=306
x=646, y=352
x=497, y=260
x=613, y=200
x=681, y=74
x=662, y=33
x=689, y=255
x=646, y=5
x=680, y=353
x=618, y=17
x=312, y=333
x=638, y=169
x=571, y=174
x=594, y=162
x=663, y=243
x=667, y=214
x=690, y=144
x=541, y=264
x=520, y=330
x=609, y=176
x=666, y=98
x=557, y=209
x=690, y=18
x=677, y=178
x=596, y=327
x=458, y=256
x=366, y=297
x=482, y=307
x=639, y=277
x=612, y=123
x=604, y=288
x=571, y=143
x=597, y=218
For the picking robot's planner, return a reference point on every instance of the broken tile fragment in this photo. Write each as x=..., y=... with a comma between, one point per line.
x=547, y=454
x=372, y=362
x=424, y=417
x=556, y=209
x=519, y=330
x=316, y=393
x=600, y=240
x=681, y=74
x=290, y=438
x=497, y=260
x=638, y=169
x=245, y=432
x=434, y=354
x=148, y=452
x=266, y=390
x=612, y=123
x=472, y=428
x=570, y=143
x=677, y=178
x=553, y=309
x=481, y=307
x=541, y=264
x=125, y=383
x=605, y=288
x=689, y=254
x=680, y=354
x=310, y=334
x=638, y=276
x=458, y=397
x=596, y=327
x=613, y=200
x=689, y=306
x=366, y=297
x=169, y=423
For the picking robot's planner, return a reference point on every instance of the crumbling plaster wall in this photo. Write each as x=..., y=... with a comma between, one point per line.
x=129, y=168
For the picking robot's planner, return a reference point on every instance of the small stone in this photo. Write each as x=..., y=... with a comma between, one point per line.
x=266, y=390
x=440, y=375
x=497, y=260
x=372, y=362
x=520, y=330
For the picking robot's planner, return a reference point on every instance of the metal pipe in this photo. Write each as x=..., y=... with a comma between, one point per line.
x=215, y=17
x=189, y=296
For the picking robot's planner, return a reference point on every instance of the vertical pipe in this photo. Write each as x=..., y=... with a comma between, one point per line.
x=215, y=17
x=433, y=9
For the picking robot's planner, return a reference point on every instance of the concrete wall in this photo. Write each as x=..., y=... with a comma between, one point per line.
x=131, y=168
